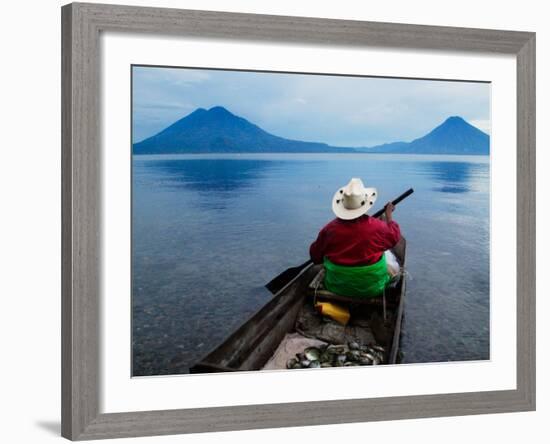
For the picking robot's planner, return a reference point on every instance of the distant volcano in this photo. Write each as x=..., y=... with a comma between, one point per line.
x=219, y=131
x=454, y=136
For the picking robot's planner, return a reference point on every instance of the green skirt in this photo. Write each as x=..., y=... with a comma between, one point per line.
x=365, y=281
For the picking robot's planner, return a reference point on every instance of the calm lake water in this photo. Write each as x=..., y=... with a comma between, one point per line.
x=209, y=231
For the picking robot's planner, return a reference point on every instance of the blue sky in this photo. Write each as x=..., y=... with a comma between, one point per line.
x=340, y=111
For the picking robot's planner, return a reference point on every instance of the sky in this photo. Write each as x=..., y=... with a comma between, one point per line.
x=338, y=110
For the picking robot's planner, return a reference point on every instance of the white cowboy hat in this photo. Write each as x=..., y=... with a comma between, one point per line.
x=353, y=200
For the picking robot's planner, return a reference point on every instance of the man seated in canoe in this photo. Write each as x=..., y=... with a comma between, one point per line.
x=352, y=247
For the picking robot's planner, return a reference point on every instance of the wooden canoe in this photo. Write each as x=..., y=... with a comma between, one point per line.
x=255, y=341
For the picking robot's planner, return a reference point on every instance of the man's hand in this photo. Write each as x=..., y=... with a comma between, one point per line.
x=388, y=211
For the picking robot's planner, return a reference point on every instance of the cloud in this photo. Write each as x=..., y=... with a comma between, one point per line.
x=173, y=76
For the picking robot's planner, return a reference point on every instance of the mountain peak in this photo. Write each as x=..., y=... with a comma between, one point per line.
x=454, y=119
x=456, y=123
x=454, y=136
x=220, y=110
x=218, y=130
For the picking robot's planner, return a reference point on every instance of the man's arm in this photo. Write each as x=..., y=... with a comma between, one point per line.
x=392, y=233
x=317, y=248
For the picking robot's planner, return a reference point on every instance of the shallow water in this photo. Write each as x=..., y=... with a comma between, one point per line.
x=209, y=231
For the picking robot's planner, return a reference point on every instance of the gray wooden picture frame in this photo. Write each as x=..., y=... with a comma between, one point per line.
x=81, y=234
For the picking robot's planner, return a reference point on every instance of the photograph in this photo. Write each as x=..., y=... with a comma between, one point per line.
x=260, y=222
x=285, y=221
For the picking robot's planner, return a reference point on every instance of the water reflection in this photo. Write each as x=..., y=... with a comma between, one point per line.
x=207, y=175
x=454, y=177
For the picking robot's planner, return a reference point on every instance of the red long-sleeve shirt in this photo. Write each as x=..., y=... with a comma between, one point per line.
x=360, y=241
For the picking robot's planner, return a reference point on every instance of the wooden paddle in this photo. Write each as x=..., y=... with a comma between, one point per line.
x=286, y=276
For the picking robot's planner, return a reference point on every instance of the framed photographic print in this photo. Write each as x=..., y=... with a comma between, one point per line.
x=278, y=221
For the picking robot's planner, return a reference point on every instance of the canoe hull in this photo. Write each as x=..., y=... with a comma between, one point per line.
x=255, y=341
